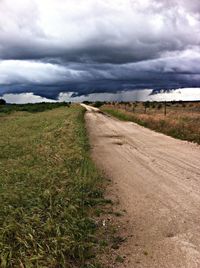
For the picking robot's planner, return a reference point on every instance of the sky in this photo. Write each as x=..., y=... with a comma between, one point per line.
x=75, y=48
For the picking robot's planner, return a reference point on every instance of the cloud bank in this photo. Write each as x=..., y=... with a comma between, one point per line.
x=182, y=94
x=95, y=46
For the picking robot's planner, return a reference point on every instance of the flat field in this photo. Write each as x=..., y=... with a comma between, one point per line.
x=49, y=189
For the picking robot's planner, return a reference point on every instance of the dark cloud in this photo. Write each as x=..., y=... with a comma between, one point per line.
x=98, y=46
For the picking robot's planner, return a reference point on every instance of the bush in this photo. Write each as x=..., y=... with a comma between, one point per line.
x=87, y=102
x=98, y=104
x=146, y=104
x=2, y=102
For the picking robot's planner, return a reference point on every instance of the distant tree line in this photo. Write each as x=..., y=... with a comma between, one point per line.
x=32, y=107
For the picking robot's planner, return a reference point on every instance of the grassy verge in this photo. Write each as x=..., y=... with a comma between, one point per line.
x=49, y=190
x=185, y=126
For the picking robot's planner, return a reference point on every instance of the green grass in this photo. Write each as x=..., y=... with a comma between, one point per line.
x=118, y=114
x=49, y=190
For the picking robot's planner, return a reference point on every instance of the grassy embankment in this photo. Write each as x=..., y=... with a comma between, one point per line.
x=49, y=190
x=182, y=120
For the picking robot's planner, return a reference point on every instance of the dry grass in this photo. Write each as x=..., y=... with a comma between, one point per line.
x=181, y=121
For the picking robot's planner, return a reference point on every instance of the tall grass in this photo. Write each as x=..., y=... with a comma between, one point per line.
x=48, y=188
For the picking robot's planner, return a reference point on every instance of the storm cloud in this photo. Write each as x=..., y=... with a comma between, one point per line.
x=49, y=46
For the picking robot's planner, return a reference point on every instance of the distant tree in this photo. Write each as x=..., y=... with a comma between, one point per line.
x=87, y=102
x=98, y=104
x=2, y=102
x=146, y=105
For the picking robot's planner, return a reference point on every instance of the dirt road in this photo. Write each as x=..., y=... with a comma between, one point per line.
x=157, y=179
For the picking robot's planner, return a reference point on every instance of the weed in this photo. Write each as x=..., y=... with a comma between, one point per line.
x=119, y=259
x=117, y=241
x=103, y=243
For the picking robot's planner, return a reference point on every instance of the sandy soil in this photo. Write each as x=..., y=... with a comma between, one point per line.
x=157, y=179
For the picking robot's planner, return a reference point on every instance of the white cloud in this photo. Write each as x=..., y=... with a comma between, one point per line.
x=24, y=98
x=183, y=94
x=16, y=71
x=147, y=28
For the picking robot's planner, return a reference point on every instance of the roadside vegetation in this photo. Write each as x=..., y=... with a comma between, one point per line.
x=31, y=108
x=50, y=190
x=177, y=119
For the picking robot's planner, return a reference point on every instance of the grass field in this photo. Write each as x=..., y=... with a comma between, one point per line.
x=182, y=120
x=49, y=190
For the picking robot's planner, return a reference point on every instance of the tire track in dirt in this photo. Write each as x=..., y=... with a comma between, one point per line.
x=157, y=179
